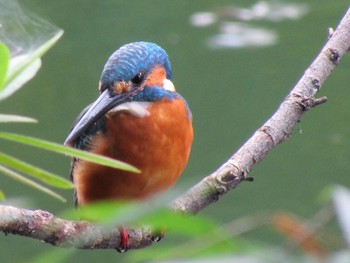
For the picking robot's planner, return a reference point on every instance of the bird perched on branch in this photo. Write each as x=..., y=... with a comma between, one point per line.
x=139, y=119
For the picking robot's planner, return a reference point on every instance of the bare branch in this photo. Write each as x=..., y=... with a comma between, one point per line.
x=45, y=227
x=276, y=129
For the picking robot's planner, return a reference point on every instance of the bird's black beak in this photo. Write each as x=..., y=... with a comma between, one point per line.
x=101, y=106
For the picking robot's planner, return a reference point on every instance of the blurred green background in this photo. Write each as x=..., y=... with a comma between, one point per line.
x=231, y=92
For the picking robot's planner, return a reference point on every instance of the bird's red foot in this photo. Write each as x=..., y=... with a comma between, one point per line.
x=124, y=240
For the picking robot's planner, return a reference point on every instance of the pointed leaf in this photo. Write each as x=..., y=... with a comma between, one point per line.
x=4, y=58
x=24, y=67
x=20, y=78
x=2, y=195
x=119, y=213
x=188, y=225
x=27, y=37
x=15, y=118
x=154, y=212
x=19, y=63
x=28, y=182
x=50, y=146
x=38, y=173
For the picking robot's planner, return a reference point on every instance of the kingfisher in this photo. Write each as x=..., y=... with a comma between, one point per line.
x=138, y=118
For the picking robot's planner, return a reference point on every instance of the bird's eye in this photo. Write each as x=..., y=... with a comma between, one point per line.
x=139, y=77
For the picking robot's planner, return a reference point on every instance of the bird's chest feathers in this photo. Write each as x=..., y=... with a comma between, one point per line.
x=143, y=128
x=147, y=119
x=155, y=137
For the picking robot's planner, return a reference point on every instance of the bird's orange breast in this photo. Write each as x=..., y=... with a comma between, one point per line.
x=158, y=144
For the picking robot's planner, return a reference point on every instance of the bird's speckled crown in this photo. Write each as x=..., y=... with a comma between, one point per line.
x=133, y=58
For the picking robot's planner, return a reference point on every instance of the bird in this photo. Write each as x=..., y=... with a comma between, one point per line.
x=138, y=118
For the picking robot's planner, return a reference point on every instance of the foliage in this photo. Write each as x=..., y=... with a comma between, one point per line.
x=20, y=56
x=5, y=58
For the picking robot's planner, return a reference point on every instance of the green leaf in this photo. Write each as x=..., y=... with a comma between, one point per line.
x=54, y=255
x=16, y=81
x=40, y=174
x=16, y=118
x=2, y=196
x=113, y=213
x=154, y=212
x=103, y=211
x=23, y=68
x=28, y=182
x=50, y=146
x=4, y=58
x=118, y=213
x=188, y=225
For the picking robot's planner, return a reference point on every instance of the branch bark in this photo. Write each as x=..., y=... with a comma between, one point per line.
x=275, y=130
x=44, y=226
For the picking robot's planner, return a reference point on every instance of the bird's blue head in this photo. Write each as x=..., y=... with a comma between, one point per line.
x=126, y=76
x=132, y=62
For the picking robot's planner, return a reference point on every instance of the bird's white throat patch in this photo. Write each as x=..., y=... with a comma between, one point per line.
x=168, y=85
x=136, y=108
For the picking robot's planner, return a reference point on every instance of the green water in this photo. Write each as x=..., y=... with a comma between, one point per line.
x=231, y=92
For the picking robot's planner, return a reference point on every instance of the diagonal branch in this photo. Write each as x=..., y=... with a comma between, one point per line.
x=275, y=130
x=44, y=226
